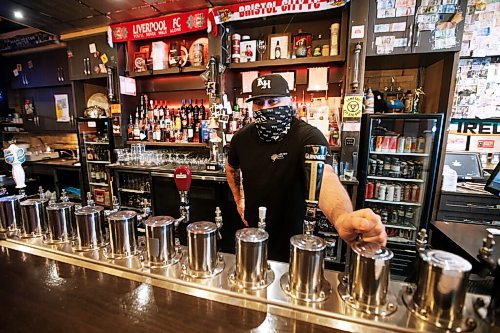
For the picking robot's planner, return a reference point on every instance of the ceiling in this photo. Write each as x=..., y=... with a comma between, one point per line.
x=64, y=16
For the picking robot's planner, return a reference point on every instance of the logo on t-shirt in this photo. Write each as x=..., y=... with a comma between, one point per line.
x=279, y=156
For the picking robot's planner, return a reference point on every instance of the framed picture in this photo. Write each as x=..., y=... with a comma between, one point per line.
x=279, y=46
x=140, y=62
x=248, y=50
x=145, y=49
x=289, y=77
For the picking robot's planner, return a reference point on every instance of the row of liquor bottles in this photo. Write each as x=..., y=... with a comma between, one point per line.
x=97, y=173
x=399, y=222
x=97, y=153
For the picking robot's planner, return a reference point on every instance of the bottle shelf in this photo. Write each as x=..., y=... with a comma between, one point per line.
x=98, y=162
x=169, y=144
x=287, y=62
x=399, y=154
x=128, y=207
x=170, y=71
x=127, y=190
x=98, y=184
x=96, y=143
x=401, y=203
x=409, y=180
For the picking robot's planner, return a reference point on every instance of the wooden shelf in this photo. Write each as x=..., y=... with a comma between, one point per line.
x=170, y=144
x=170, y=71
x=287, y=62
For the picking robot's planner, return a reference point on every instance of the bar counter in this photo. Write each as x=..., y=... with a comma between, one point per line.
x=40, y=294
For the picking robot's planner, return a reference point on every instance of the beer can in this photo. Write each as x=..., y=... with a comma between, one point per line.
x=387, y=168
x=382, y=192
x=415, y=193
x=384, y=216
x=397, y=193
x=373, y=167
x=376, y=190
x=414, y=145
x=418, y=170
x=378, y=143
x=407, y=193
x=420, y=144
x=401, y=214
x=394, y=216
x=386, y=142
x=396, y=167
x=380, y=167
x=369, y=190
x=408, y=142
x=390, y=193
x=410, y=173
x=393, y=144
x=401, y=144
x=404, y=169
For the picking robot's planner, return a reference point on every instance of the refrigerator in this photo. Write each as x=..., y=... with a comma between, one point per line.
x=397, y=173
x=96, y=144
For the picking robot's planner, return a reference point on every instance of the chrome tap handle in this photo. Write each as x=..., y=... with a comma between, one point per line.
x=218, y=222
x=421, y=241
x=41, y=193
x=90, y=201
x=116, y=204
x=315, y=156
x=64, y=196
x=262, y=218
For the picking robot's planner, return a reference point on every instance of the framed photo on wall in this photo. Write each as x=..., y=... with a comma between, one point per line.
x=279, y=46
x=248, y=50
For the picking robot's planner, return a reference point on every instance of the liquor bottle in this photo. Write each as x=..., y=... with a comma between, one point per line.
x=183, y=115
x=196, y=111
x=190, y=129
x=137, y=133
x=197, y=133
x=190, y=113
x=277, y=51
x=90, y=155
x=152, y=111
x=130, y=129
x=204, y=115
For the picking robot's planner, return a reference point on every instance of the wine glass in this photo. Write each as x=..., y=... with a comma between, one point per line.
x=261, y=48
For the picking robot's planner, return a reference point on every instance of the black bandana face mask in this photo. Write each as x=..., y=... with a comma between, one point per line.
x=273, y=124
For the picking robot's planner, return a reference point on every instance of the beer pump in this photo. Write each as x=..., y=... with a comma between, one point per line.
x=182, y=178
x=305, y=279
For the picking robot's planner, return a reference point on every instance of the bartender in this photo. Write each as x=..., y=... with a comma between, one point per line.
x=270, y=155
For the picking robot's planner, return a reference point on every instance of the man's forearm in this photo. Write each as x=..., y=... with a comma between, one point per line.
x=234, y=180
x=333, y=200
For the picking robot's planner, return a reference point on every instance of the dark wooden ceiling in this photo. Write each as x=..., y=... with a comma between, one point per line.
x=63, y=16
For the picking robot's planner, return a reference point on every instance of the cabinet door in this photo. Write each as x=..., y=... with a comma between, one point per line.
x=82, y=63
x=436, y=37
x=389, y=28
x=46, y=109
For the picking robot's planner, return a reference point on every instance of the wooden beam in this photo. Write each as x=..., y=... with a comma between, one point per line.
x=84, y=33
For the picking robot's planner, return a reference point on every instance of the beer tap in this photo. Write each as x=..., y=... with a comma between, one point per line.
x=41, y=193
x=146, y=210
x=64, y=196
x=90, y=200
x=116, y=208
x=218, y=222
x=182, y=177
x=315, y=156
x=421, y=241
x=262, y=218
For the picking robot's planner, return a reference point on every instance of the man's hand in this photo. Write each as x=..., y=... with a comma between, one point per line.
x=241, y=210
x=362, y=222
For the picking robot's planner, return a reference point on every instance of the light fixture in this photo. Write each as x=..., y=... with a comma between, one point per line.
x=18, y=14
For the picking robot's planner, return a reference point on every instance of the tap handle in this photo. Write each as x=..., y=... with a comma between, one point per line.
x=488, y=246
x=218, y=221
x=182, y=177
x=40, y=192
x=315, y=156
x=90, y=201
x=421, y=241
x=64, y=196
x=262, y=218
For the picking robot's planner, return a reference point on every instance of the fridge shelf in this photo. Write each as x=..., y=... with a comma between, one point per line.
x=401, y=226
x=128, y=190
x=96, y=143
x=99, y=162
x=402, y=203
x=98, y=184
x=410, y=180
x=399, y=154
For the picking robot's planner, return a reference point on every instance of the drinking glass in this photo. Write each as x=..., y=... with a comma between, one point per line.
x=261, y=48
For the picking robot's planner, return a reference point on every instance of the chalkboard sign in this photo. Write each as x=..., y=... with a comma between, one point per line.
x=26, y=41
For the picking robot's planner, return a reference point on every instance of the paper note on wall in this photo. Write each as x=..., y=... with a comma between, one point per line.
x=247, y=79
x=317, y=79
x=62, y=108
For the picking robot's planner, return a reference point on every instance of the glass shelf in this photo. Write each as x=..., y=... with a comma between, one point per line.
x=402, y=203
x=410, y=180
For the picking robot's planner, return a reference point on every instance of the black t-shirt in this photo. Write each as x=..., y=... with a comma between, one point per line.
x=273, y=176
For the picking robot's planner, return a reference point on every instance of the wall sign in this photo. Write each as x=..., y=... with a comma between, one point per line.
x=162, y=26
x=353, y=106
x=475, y=127
x=258, y=8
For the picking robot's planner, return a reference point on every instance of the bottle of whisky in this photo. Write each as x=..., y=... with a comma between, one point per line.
x=277, y=50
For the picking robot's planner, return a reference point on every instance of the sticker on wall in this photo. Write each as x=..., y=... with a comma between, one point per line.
x=385, y=44
x=62, y=107
x=92, y=48
x=104, y=58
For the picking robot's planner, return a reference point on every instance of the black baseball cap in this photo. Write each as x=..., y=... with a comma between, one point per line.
x=270, y=85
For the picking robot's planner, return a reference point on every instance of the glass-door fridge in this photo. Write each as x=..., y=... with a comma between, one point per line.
x=95, y=140
x=398, y=162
